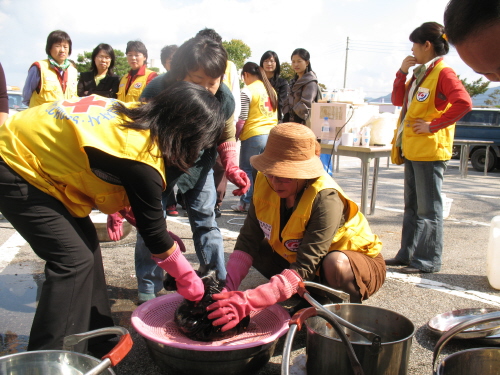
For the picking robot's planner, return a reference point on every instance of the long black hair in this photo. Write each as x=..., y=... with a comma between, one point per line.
x=109, y=50
x=304, y=55
x=268, y=55
x=183, y=119
x=255, y=70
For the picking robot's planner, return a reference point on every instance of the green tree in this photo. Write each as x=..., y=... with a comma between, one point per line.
x=475, y=87
x=494, y=98
x=322, y=86
x=286, y=71
x=237, y=51
x=83, y=63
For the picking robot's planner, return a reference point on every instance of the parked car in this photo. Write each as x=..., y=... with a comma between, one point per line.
x=15, y=100
x=480, y=124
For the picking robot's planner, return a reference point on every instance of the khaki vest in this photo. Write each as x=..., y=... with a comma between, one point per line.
x=45, y=145
x=355, y=235
x=135, y=90
x=50, y=87
x=261, y=116
x=427, y=147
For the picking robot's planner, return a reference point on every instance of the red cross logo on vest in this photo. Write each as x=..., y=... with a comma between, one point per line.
x=83, y=105
x=268, y=104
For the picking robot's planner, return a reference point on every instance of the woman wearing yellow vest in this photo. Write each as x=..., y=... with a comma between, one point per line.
x=58, y=161
x=259, y=114
x=133, y=83
x=432, y=101
x=53, y=78
x=300, y=226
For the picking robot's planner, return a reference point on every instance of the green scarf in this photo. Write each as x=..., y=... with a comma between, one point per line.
x=63, y=66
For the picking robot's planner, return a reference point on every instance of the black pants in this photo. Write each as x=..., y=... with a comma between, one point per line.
x=74, y=296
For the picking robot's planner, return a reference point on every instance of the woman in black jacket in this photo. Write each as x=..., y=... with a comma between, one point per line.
x=271, y=65
x=100, y=80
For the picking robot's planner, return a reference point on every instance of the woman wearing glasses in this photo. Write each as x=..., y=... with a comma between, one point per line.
x=138, y=77
x=300, y=226
x=100, y=80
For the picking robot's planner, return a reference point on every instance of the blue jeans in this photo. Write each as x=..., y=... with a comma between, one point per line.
x=422, y=234
x=250, y=147
x=208, y=243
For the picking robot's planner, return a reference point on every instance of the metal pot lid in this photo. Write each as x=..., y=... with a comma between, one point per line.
x=444, y=322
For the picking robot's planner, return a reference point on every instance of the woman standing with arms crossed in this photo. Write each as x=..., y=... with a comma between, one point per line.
x=259, y=106
x=100, y=80
x=53, y=78
x=271, y=65
x=432, y=100
x=303, y=89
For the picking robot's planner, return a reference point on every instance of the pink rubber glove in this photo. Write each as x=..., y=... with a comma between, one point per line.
x=177, y=239
x=227, y=153
x=189, y=284
x=231, y=307
x=128, y=215
x=237, y=268
x=239, y=127
x=114, y=226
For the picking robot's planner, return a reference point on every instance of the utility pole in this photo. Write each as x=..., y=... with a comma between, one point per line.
x=346, y=54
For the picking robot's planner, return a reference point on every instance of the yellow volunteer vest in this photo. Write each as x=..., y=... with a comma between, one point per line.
x=50, y=88
x=228, y=78
x=261, y=116
x=355, y=235
x=45, y=145
x=135, y=89
x=427, y=147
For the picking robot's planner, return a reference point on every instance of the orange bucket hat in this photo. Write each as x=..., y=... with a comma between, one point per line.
x=292, y=151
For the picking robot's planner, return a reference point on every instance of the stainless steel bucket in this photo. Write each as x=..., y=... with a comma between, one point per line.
x=65, y=362
x=378, y=340
x=484, y=361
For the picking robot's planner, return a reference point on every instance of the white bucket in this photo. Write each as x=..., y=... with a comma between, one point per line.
x=446, y=205
x=347, y=139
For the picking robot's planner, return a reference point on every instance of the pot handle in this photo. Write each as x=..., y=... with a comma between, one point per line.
x=345, y=297
x=114, y=356
x=296, y=323
x=448, y=335
x=375, y=339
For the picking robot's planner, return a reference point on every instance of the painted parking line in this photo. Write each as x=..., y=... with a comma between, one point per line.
x=9, y=249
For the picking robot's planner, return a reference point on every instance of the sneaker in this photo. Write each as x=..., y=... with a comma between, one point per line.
x=172, y=211
x=240, y=207
x=217, y=212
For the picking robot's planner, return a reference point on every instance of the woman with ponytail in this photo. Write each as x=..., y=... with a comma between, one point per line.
x=432, y=100
x=259, y=114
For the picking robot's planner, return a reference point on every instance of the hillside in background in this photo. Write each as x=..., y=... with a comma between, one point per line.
x=477, y=101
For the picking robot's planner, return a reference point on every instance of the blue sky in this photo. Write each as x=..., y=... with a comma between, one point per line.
x=378, y=32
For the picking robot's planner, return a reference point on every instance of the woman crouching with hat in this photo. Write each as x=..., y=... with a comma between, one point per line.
x=300, y=226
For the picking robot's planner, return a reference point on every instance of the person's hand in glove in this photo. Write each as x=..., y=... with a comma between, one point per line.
x=189, y=284
x=227, y=153
x=233, y=306
x=114, y=226
x=128, y=215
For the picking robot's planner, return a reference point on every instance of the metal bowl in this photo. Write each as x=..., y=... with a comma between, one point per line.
x=443, y=322
x=241, y=354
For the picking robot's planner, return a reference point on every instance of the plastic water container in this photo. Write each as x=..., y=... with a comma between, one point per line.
x=365, y=136
x=493, y=257
x=325, y=131
x=446, y=205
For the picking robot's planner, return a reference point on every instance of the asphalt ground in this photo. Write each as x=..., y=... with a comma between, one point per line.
x=461, y=283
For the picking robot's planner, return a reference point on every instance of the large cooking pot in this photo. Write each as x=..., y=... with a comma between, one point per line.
x=378, y=340
x=66, y=362
x=484, y=361
x=175, y=353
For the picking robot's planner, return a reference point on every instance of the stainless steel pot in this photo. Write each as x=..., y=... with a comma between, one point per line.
x=484, y=361
x=66, y=362
x=378, y=339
